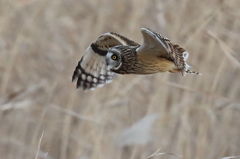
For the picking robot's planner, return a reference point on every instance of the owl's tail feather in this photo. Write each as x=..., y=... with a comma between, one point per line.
x=192, y=72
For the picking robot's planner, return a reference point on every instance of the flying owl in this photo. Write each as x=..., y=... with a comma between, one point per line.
x=113, y=53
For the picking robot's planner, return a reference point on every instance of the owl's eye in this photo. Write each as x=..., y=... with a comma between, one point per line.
x=114, y=57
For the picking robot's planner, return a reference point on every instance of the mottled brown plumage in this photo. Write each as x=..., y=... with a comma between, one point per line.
x=113, y=53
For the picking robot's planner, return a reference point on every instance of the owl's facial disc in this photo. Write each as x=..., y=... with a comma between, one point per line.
x=113, y=59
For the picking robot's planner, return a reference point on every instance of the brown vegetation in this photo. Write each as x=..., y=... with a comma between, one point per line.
x=41, y=43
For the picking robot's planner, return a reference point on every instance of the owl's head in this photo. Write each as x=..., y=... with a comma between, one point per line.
x=120, y=55
x=114, y=58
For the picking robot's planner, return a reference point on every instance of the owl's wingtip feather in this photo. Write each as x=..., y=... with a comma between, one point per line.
x=74, y=77
x=88, y=81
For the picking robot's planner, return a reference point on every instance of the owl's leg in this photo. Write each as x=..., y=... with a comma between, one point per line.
x=188, y=71
x=175, y=70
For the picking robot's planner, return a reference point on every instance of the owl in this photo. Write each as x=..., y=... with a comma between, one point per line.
x=113, y=53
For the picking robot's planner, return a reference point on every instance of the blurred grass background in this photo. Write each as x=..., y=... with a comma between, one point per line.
x=41, y=43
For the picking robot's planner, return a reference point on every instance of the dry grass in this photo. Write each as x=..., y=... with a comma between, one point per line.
x=42, y=41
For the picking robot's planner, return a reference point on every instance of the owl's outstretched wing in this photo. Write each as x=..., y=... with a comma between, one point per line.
x=92, y=70
x=163, y=47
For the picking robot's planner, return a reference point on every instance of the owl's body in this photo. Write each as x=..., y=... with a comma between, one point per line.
x=144, y=64
x=112, y=53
